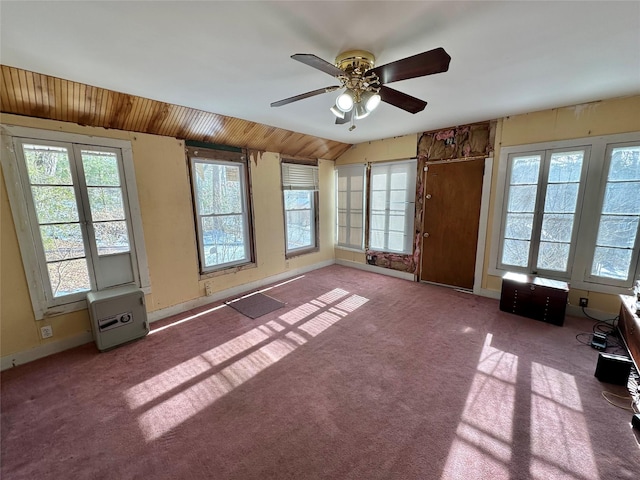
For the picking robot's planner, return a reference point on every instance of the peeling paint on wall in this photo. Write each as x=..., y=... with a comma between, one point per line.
x=579, y=110
x=453, y=143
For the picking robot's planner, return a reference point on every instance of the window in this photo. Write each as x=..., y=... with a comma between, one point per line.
x=392, y=199
x=219, y=182
x=78, y=199
x=571, y=210
x=616, y=247
x=350, y=181
x=300, y=190
x=540, y=213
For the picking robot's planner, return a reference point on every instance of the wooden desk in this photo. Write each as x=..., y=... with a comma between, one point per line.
x=629, y=325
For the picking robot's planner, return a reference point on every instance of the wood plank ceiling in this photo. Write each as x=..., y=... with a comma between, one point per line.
x=35, y=95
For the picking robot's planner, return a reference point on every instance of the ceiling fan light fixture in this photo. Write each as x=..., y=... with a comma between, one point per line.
x=371, y=100
x=361, y=111
x=337, y=112
x=345, y=101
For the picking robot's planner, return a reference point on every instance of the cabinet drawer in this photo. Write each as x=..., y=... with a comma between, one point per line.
x=534, y=297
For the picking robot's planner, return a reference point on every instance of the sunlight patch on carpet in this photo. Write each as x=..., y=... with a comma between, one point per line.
x=482, y=447
x=560, y=439
x=559, y=444
x=199, y=382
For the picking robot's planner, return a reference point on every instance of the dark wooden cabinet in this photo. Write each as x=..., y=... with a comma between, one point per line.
x=534, y=297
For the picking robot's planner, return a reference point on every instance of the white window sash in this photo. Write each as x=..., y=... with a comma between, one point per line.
x=50, y=300
x=312, y=227
x=586, y=221
x=244, y=213
x=538, y=213
x=409, y=167
x=348, y=172
x=634, y=263
x=21, y=201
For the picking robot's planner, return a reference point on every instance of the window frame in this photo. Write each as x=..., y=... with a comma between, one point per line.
x=308, y=181
x=27, y=227
x=231, y=157
x=410, y=192
x=536, y=233
x=635, y=255
x=586, y=231
x=348, y=206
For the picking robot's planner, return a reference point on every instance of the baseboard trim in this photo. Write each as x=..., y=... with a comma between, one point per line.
x=484, y=292
x=233, y=291
x=576, y=311
x=372, y=268
x=572, y=310
x=47, y=349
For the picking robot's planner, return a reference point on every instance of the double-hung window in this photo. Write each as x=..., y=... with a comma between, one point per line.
x=300, y=186
x=392, y=206
x=220, y=190
x=350, y=201
x=571, y=210
x=82, y=229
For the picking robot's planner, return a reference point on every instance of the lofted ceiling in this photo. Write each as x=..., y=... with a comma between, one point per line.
x=233, y=58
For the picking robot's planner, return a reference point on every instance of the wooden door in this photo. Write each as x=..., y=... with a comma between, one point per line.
x=453, y=192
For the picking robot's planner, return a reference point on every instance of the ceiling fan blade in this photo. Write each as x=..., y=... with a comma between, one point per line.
x=426, y=63
x=302, y=96
x=346, y=119
x=401, y=100
x=317, y=62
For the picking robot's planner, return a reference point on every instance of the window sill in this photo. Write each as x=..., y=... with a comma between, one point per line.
x=228, y=270
x=299, y=253
x=350, y=249
x=76, y=306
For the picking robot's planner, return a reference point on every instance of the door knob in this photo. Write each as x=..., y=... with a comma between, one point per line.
x=428, y=196
x=425, y=234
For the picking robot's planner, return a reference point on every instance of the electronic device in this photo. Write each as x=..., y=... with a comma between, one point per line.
x=635, y=421
x=599, y=341
x=613, y=368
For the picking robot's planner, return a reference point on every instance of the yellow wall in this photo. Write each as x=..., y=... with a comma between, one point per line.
x=396, y=148
x=606, y=117
x=167, y=218
x=170, y=239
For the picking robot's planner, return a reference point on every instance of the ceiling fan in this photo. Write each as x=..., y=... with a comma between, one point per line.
x=365, y=85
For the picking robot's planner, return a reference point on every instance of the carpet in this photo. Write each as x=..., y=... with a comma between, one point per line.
x=255, y=305
x=359, y=376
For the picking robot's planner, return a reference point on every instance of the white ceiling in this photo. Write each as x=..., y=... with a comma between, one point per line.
x=232, y=58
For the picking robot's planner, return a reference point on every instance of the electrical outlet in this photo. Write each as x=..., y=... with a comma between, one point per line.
x=208, y=291
x=584, y=302
x=46, y=331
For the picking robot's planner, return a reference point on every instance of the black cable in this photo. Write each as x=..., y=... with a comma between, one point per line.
x=598, y=319
x=582, y=342
x=599, y=328
x=607, y=327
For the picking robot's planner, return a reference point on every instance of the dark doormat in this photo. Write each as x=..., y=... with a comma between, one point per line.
x=255, y=305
